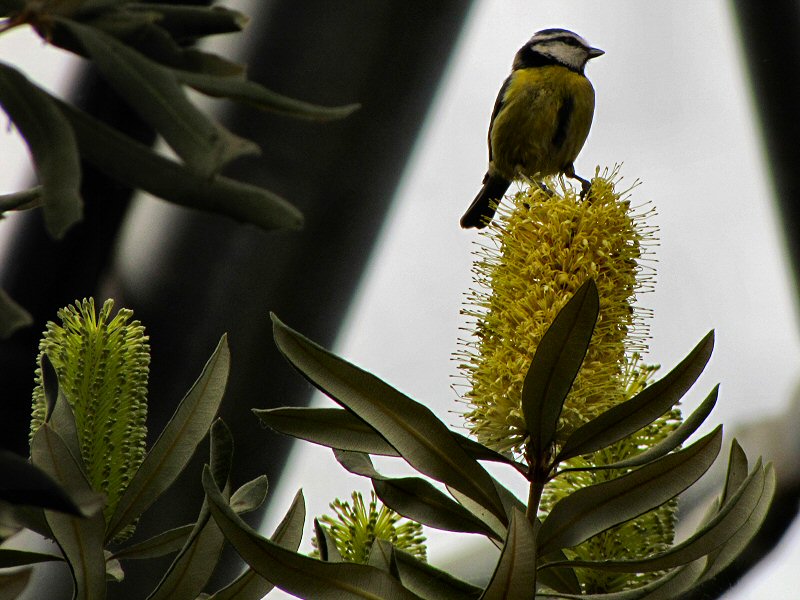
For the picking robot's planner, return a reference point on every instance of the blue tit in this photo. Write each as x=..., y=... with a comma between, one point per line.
x=540, y=119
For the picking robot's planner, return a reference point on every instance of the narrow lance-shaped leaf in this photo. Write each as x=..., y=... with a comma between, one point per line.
x=429, y=582
x=331, y=427
x=177, y=442
x=381, y=556
x=734, y=515
x=257, y=95
x=154, y=93
x=52, y=145
x=668, y=444
x=162, y=544
x=191, y=22
x=415, y=498
x=340, y=429
x=422, y=439
x=80, y=539
x=12, y=316
x=737, y=470
x=641, y=410
x=671, y=586
x=328, y=551
x=60, y=415
x=27, y=484
x=22, y=200
x=515, y=573
x=9, y=557
x=593, y=509
x=190, y=571
x=555, y=365
x=725, y=555
x=136, y=165
x=250, y=496
x=296, y=573
x=289, y=533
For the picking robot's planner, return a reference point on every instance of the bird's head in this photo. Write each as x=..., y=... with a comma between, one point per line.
x=556, y=46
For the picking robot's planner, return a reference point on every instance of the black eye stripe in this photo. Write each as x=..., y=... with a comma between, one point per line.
x=564, y=39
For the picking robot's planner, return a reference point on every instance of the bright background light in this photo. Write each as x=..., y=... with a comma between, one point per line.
x=673, y=105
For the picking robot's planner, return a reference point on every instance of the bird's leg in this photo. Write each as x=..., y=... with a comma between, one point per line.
x=543, y=186
x=586, y=185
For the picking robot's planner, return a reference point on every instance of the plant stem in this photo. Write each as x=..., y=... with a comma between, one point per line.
x=537, y=481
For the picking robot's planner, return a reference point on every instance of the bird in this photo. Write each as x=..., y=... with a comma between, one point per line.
x=541, y=118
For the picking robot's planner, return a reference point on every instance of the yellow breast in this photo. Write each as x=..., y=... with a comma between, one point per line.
x=542, y=123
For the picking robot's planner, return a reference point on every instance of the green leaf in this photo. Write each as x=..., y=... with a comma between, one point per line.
x=192, y=568
x=143, y=33
x=162, y=544
x=52, y=145
x=480, y=452
x=331, y=427
x=250, y=92
x=422, y=439
x=192, y=22
x=499, y=529
x=555, y=365
x=381, y=556
x=515, y=573
x=737, y=470
x=593, y=509
x=415, y=498
x=177, y=443
x=341, y=429
x=250, y=585
x=12, y=585
x=668, y=444
x=154, y=93
x=296, y=573
x=195, y=562
x=60, y=415
x=250, y=496
x=114, y=570
x=431, y=583
x=12, y=316
x=669, y=587
x=730, y=519
x=641, y=410
x=80, y=539
x=16, y=558
x=136, y=165
x=22, y=200
x=27, y=484
x=725, y=555
x=328, y=550
x=221, y=454
x=247, y=498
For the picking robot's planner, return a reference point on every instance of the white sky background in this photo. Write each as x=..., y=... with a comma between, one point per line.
x=673, y=105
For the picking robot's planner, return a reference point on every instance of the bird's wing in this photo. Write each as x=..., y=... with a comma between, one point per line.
x=498, y=104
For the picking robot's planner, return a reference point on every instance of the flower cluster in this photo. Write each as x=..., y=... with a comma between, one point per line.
x=355, y=527
x=102, y=364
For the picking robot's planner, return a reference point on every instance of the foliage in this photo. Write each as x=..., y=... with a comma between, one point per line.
x=146, y=53
x=68, y=494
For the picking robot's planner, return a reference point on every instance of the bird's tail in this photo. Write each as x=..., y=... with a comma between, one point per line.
x=481, y=211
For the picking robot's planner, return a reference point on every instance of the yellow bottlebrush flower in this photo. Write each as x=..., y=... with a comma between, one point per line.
x=355, y=527
x=537, y=252
x=102, y=362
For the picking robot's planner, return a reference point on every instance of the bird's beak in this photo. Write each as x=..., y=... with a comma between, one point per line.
x=595, y=52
